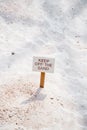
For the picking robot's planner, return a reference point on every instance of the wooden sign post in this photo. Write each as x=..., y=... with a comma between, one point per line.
x=42, y=79
x=43, y=64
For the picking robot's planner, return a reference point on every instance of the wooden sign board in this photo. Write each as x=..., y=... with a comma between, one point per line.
x=43, y=64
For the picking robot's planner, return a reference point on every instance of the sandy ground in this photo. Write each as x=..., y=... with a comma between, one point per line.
x=25, y=106
x=56, y=29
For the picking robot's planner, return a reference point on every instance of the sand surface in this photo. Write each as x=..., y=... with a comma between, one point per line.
x=56, y=29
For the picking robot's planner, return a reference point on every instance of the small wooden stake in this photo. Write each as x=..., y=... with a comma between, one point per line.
x=42, y=79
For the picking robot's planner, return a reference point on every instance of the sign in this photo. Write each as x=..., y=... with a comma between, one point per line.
x=43, y=64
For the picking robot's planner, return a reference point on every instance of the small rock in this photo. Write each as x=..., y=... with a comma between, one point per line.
x=51, y=98
x=13, y=53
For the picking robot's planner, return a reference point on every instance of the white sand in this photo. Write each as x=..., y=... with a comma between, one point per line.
x=43, y=28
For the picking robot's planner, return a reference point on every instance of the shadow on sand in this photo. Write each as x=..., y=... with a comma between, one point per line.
x=37, y=96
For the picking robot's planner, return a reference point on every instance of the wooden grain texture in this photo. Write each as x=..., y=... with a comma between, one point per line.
x=42, y=79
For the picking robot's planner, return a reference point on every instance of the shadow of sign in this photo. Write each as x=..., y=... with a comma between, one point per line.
x=37, y=96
